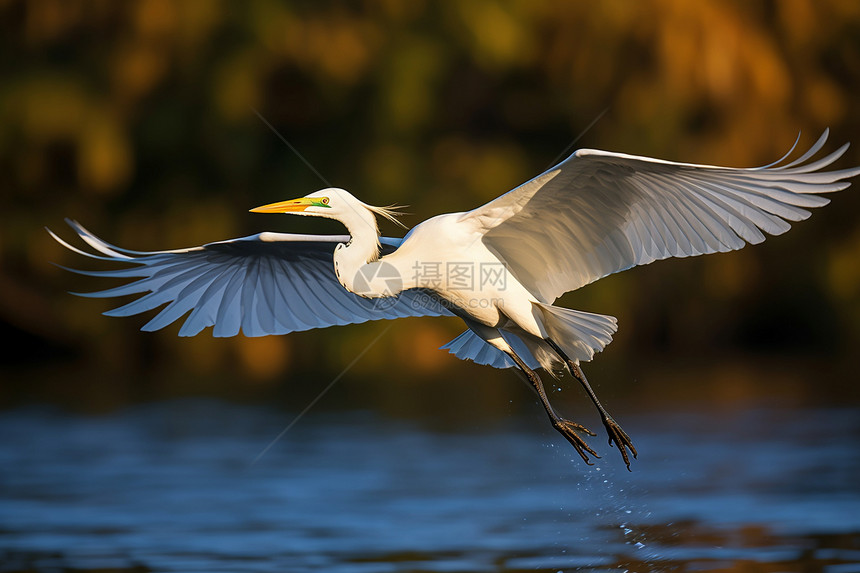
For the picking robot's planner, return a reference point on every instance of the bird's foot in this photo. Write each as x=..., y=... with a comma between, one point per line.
x=570, y=430
x=621, y=439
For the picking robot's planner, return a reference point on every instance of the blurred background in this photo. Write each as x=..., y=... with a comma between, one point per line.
x=139, y=119
x=157, y=124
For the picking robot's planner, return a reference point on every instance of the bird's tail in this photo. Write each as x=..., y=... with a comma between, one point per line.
x=580, y=334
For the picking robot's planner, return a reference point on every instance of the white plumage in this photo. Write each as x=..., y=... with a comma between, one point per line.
x=594, y=214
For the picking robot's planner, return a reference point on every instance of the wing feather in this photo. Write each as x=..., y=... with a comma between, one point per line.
x=271, y=283
x=204, y=312
x=228, y=321
x=598, y=213
x=250, y=294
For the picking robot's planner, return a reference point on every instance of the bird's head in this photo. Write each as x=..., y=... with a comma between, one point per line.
x=331, y=203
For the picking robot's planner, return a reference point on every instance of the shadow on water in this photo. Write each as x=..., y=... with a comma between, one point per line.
x=172, y=487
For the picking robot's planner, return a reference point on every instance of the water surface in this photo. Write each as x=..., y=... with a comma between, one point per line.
x=173, y=487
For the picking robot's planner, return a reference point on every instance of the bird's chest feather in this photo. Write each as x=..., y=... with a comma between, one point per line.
x=480, y=309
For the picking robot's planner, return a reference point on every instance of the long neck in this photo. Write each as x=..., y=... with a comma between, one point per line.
x=353, y=260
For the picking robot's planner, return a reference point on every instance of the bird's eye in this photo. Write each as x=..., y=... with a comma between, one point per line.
x=325, y=200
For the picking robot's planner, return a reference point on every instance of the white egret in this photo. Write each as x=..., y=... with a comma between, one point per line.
x=499, y=267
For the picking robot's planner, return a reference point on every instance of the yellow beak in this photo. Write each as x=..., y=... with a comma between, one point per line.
x=291, y=206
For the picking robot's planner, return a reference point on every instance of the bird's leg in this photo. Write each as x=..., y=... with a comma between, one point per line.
x=616, y=433
x=570, y=430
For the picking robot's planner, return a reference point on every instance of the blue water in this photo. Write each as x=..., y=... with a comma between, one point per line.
x=174, y=487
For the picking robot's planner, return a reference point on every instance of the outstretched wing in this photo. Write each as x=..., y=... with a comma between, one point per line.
x=597, y=213
x=271, y=283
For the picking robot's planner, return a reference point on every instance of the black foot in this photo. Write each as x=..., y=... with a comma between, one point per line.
x=621, y=439
x=570, y=430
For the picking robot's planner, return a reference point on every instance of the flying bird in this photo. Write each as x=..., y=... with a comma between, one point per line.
x=498, y=267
